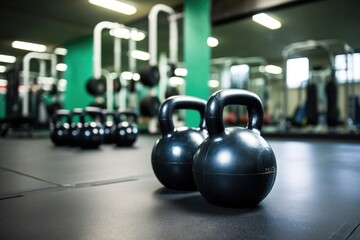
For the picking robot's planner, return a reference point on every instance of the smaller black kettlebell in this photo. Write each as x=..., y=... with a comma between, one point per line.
x=59, y=127
x=92, y=132
x=75, y=126
x=109, y=126
x=234, y=166
x=172, y=154
x=126, y=130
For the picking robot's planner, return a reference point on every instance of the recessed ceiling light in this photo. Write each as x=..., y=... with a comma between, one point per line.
x=28, y=46
x=7, y=58
x=267, y=21
x=114, y=5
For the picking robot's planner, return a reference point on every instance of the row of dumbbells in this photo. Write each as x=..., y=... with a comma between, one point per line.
x=90, y=127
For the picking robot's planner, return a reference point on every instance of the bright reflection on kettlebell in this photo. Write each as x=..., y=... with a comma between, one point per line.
x=128, y=130
x=224, y=157
x=176, y=151
x=122, y=132
x=87, y=133
x=95, y=131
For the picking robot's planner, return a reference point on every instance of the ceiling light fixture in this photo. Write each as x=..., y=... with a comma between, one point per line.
x=212, y=42
x=28, y=46
x=114, y=5
x=7, y=58
x=267, y=21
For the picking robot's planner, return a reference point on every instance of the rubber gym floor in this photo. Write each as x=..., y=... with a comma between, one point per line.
x=49, y=192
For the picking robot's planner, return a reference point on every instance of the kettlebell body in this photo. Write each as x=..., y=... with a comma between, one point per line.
x=173, y=152
x=234, y=167
x=75, y=126
x=126, y=131
x=92, y=132
x=59, y=127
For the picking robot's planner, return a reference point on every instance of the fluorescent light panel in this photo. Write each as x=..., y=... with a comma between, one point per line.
x=7, y=58
x=34, y=47
x=267, y=21
x=114, y=5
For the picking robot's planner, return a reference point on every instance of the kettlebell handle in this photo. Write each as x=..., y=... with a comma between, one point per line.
x=179, y=102
x=93, y=110
x=217, y=102
x=128, y=113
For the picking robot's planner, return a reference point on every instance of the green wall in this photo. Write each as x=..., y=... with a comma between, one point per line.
x=79, y=62
x=197, y=28
x=2, y=105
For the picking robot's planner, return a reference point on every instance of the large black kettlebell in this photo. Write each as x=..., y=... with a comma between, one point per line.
x=172, y=154
x=234, y=166
x=75, y=126
x=59, y=127
x=126, y=130
x=92, y=132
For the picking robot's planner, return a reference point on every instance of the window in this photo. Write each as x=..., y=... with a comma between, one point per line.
x=297, y=71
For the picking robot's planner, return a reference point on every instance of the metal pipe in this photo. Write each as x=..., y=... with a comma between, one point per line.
x=153, y=33
x=97, y=44
x=117, y=55
x=26, y=80
x=53, y=66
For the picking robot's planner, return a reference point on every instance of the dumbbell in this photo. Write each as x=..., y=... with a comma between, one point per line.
x=75, y=126
x=234, y=166
x=91, y=134
x=172, y=154
x=126, y=131
x=109, y=126
x=59, y=127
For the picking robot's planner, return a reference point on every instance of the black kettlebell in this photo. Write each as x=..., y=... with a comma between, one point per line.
x=234, y=166
x=92, y=132
x=126, y=131
x=75, y=126
x=59, y=127
x=172, y=154
x=150, y=75
x=109, y=126
x=96, y=86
